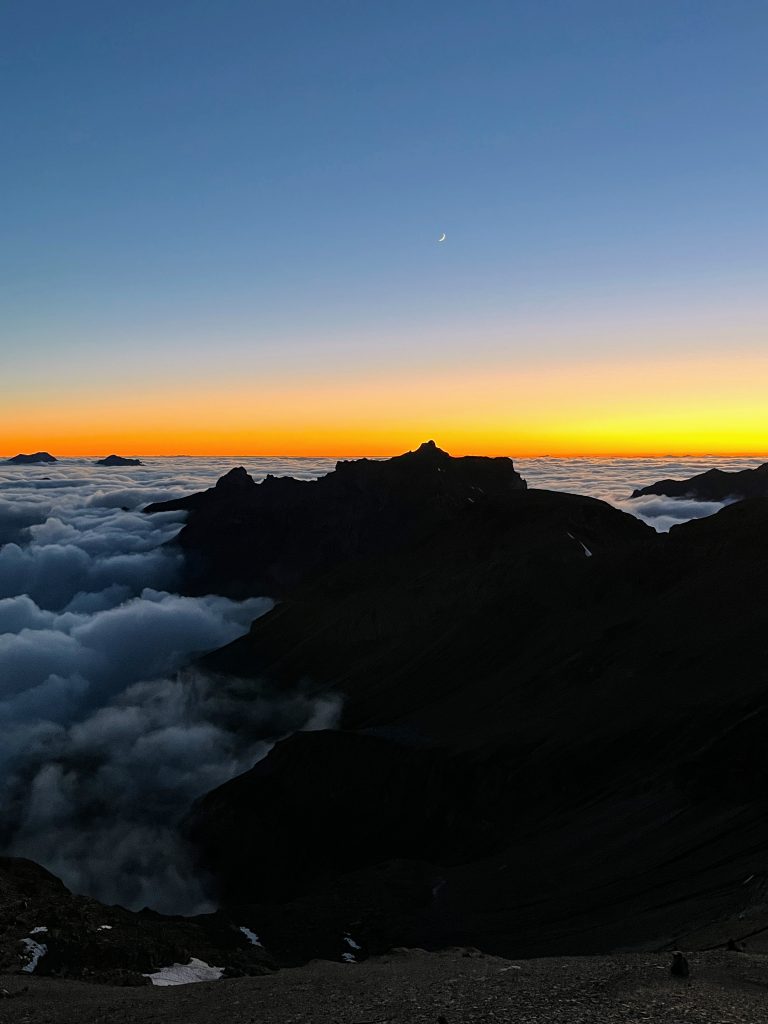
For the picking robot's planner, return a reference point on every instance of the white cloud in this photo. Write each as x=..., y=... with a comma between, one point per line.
x=104, y=745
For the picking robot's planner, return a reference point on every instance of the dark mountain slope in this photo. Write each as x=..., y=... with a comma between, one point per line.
x=501, y=591
x=554, y=721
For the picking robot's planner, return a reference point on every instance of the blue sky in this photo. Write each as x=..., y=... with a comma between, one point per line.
x=266, y=181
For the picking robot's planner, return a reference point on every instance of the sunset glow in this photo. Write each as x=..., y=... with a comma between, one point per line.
x=654, y=407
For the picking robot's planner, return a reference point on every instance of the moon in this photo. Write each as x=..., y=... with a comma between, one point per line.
x=442, y=237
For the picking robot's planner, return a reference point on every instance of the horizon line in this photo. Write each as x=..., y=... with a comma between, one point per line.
x=738, y=454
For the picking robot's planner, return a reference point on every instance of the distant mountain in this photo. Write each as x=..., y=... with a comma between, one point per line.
x=714, y=485
x=118, y=460
x=28, y=460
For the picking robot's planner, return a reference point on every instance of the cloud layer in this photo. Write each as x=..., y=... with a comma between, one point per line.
x=105, y=742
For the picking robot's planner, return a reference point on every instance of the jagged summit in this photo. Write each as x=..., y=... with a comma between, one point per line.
x=237, y=479
x=282, y=529
x=428, y=449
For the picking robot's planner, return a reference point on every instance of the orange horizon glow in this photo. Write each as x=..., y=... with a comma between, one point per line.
x=713, y=405
x=387, y=452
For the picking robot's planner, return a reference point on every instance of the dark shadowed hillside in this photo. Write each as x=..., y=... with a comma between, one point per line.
x=553, y=715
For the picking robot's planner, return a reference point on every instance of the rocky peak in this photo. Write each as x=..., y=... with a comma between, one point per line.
x=429, y=450
x=237, y=479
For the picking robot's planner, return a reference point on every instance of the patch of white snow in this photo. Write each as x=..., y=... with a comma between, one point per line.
x=252, y=937
x=585, y=549
x=35, y=951
x=186, y=974
x=40, y=930
x=348, y=958
x=351, y=942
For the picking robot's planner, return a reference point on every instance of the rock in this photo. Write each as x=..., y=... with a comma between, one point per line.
x=679, y=967
x=714, y=485
x=29, y=460
x=118, y=460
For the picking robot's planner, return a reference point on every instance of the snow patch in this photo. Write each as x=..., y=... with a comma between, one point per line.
x=252, y=937
x=186, y=974
x=39, y=930
x=35, y=951
x=584, y=547
x=104, y=928
x=351, y=942
x=348, y=958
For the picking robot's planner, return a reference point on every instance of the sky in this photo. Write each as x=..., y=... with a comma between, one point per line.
x=219, y=225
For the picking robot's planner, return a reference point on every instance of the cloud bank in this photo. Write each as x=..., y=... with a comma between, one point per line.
x=107, y=739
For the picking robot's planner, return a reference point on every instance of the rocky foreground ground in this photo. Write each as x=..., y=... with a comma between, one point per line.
x=414, y=987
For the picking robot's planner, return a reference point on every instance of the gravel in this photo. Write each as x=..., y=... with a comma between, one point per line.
x=414, y=987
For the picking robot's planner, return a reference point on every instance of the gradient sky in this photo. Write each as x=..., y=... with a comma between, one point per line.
x=219, y=223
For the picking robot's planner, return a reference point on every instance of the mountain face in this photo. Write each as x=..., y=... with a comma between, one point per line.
x=552, y=738
x=118, y=460
x=29, y=460
x=714, y=485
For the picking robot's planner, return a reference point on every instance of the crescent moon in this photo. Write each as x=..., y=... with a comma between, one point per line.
x=442, y=237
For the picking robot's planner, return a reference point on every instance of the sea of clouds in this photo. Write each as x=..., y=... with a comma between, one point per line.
x=107, y=734
x=105, y=742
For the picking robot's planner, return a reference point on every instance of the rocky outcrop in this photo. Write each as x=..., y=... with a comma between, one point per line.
x=46, y=930
x=714, y=485
x=33, y=459
x=118, y=460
